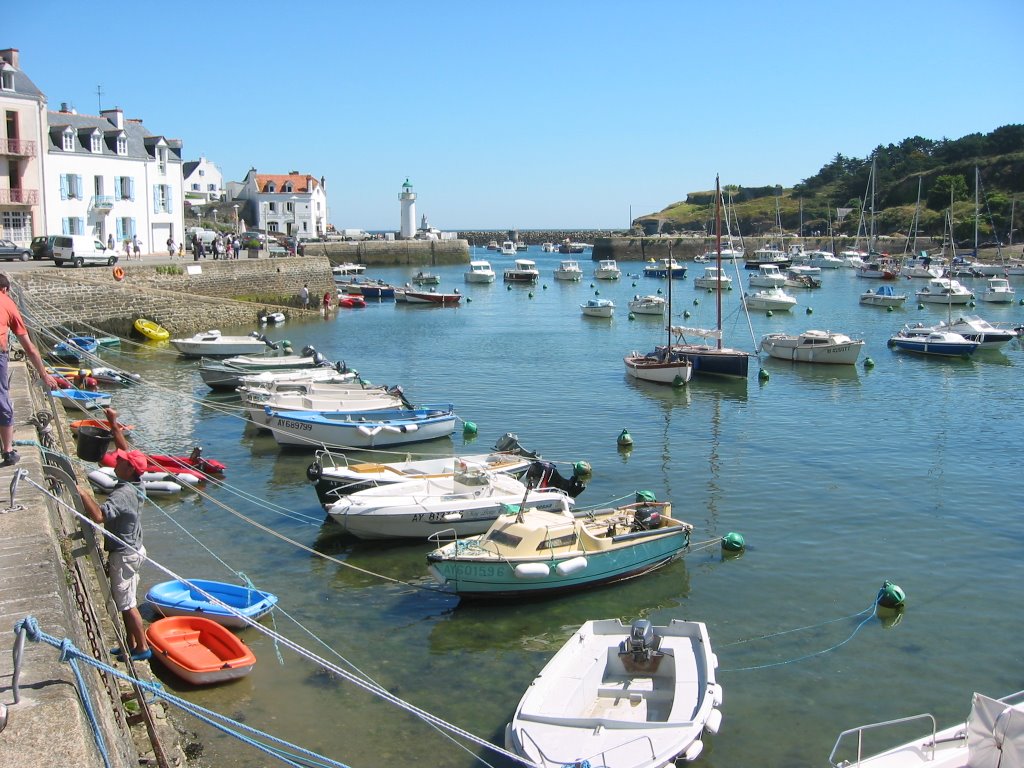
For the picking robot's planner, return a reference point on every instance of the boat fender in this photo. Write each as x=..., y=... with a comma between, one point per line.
x=570, y=567
x=693, y=751
x=101, y=480
x=715, y=690
x=531, y=571
x=118, y=274
x=314, y=472
x=161, y=487
x=714, y=721
x=891, y=596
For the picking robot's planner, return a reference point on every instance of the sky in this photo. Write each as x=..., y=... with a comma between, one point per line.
x=531, y=115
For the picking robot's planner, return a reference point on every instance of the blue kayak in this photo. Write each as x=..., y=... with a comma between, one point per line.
x=176, y=598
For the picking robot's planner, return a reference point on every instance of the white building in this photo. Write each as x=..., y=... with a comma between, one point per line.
x=22, y=139
x=407, y=225
x=293, y=204
x=110, y=177
x=203, y=181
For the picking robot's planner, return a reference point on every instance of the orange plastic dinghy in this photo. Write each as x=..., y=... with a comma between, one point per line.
x=198, y=650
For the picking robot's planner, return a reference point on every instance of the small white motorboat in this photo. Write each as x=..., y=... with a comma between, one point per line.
x=607, y=269
x=992, y=736
x=998, y=291
x=522, y=271
x=614, y=695
x=769, y=299
x=824, y=260
x=569, y=269
x=927, y=341
x=714, y=277
x=977, y=329
x=479, y=271
x=767, y=276
x=944, y=290
x=647, y=305
x=813, y=347
x=214, y=344
x=348, y=268
x=598, y=308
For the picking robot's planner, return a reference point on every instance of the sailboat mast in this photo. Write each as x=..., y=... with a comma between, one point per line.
x=871, y=238
x=718, y=258
x=976, y=211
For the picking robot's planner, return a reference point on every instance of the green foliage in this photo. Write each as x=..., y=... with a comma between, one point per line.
x=169, y=269
x=946, y=188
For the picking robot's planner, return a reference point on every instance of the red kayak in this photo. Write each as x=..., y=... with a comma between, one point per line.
x=350, y=301
x=194, y=464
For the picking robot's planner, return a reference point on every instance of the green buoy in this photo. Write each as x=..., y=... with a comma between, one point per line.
x=469, y=428
x=545, y=286
x=733, y=542
x=769, y=313
x=869, y=363
x=891, y=596
x=581, y=469
x=624, y=438
x=678, y=381
x=469, y=299
x=762, y=375
x=696, y=302
x=530, y=294
x=686, y=314
x=809, y=310
x=920, y=305
x=890, y=308
x=631, y=316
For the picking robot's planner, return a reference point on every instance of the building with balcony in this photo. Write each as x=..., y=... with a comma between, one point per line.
x=23, y=107
x=110, y=177
x=204, y=183
x=293, y=204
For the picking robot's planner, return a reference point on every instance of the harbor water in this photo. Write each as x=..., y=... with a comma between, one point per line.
x=839, y=478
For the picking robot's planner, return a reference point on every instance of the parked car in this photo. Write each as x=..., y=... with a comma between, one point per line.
x=42, y=247
x=9, y=251
x=79, y=250
x=249, y=237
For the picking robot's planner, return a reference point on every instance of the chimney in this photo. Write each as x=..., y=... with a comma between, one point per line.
x=323, y=183
x=10, y=55
x=114, y=116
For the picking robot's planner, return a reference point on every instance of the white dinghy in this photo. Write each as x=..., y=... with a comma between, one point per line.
x=618, y=696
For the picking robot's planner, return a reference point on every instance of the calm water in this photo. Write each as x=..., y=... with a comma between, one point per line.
x=838, y=479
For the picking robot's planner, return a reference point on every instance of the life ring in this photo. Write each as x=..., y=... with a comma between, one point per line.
x=118, y=274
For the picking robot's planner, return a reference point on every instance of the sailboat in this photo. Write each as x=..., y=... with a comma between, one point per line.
x=712, y=359
x=662, y=365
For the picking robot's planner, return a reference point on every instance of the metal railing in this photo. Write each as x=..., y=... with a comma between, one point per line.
x=19, y=147
x=102, y=202
x=872, y=726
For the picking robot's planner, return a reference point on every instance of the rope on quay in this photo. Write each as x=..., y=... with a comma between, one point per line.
x=359, y=679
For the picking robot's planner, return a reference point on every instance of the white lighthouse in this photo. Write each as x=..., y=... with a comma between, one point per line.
x=408, y=198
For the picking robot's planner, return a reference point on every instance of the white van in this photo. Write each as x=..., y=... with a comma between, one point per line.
x=80, y=250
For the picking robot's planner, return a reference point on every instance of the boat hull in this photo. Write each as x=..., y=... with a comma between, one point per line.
x=220, y=346
x=313, y=430
x=647, y=368
x=796, y=349
x=178, y=598
x=198, y=650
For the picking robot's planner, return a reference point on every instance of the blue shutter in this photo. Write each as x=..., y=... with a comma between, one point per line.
x=64, y=188
x=169, y=198
x=131, y=195
x=78, y=185
x=117, y=187
x=81, y=226
x=120, y=230
x=64, y=226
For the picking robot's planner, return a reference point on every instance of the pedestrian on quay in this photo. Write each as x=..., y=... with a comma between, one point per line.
x=181, y=250
x=110, y=242
x=120, y=515
x=237, y=245
x=170, y=247
x=304, y=296
x=137, y=248
x=327, y=302
x=12, y=322
x=127, y=249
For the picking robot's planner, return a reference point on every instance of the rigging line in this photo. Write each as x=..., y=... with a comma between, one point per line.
x=798, y=629
x=305, y=653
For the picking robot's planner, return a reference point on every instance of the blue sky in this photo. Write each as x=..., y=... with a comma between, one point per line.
x=532, y=114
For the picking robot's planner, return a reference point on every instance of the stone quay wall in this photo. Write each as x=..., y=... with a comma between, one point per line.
x=480, y=238
x=413, y=253
x=220, y=293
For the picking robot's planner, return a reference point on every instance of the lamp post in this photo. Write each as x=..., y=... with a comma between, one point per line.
x=295, y=221
x=266, y=227
x=235, y=206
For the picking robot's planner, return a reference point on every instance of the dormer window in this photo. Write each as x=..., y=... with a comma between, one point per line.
x=7, y=79
x=288, y=187
x=271, y=187
x=68, y=140
x=122, y=145
x=96, y=144
x=161, y=160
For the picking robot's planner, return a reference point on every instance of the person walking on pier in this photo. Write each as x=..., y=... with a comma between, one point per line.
x=120, y=515
x=12, y=322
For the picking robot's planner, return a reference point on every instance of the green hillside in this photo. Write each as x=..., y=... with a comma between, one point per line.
x=940, y=166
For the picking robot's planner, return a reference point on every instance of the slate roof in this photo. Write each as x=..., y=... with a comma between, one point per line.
x=141, y=143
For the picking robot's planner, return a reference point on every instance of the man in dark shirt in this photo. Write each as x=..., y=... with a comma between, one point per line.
x=120, y=515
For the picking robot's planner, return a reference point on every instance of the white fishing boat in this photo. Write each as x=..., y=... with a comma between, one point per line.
x=927, y=341
x=768, y=254
x=607, y=269
x=767, y=276
x=998, y=291
x=214, y=344
x=523, y=271
x=977, y=329
x=665, y=268
x=548, y=247
x=713, y=278
x=769, y=300
x=944, y=290
x=259, y=406
x=922, y=266
x=348, y=268
x=813, y=347
x=466, y=501
x=479, y=271
x=991, y=737
x=638, y=696
x=568, y=269
x=824, y=260
x=598, y=308
x=508, y=248
x=647, y=305
x=883, y=296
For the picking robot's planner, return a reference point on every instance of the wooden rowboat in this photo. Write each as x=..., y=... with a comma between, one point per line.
x=198, y=650
x=151, y=330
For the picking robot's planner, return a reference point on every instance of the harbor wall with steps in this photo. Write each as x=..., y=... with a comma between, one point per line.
x=220, y=293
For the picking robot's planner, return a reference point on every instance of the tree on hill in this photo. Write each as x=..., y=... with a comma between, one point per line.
x=943, y=187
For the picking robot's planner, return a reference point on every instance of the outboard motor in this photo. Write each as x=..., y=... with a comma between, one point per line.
x=641, y=643
x=308, y=351
x=341, y=367
x=647, y=518
x=509, y=443
x=545, y=475
x=318, y=358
